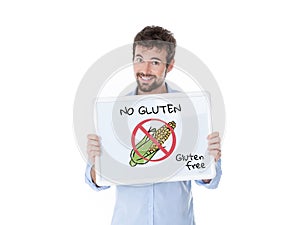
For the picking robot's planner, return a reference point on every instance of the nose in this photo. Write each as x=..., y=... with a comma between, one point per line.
x=146, y=67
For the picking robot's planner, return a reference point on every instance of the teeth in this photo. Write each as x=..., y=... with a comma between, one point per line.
x=145, y=78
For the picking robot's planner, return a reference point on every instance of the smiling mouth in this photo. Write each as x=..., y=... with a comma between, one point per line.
x=145, y=77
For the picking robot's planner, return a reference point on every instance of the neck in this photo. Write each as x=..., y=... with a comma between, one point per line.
x=160, y=90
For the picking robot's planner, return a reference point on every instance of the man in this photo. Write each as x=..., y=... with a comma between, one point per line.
x=158, y=203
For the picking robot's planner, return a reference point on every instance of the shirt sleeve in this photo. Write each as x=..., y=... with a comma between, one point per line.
x=88, y=180
x=213, y=184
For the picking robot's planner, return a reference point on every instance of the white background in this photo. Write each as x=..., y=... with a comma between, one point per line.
x=251, y=47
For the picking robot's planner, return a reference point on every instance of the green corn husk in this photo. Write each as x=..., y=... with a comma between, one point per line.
x=147, y=148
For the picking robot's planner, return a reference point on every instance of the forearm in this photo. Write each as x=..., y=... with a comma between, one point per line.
x=206, y=181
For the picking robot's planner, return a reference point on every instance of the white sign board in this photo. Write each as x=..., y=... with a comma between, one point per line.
x=154, y=138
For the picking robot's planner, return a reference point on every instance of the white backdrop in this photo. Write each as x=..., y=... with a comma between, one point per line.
x=251, y=47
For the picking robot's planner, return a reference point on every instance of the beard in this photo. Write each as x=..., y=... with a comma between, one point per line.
x=148, y=86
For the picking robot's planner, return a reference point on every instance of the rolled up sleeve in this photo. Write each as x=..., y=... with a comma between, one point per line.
x=214, y=183
x=88, y=180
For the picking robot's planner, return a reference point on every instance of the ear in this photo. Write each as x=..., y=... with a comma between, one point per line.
x=171, y=65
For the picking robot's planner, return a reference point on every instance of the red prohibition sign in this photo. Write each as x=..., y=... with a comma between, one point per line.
x=166, y=152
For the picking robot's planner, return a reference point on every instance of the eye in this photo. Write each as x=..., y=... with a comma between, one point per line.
x=138, y=60
x=155, y=62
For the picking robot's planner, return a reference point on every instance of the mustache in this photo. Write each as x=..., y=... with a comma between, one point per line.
x=139, y=74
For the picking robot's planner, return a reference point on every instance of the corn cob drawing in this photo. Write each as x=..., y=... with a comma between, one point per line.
x=147, y=148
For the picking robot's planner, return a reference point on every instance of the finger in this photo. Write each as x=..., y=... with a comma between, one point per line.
x=93, y=137
x=213, y=135
x=93, y=148
x=214, y=140
x=214, y=147
x=93, y=142
x=93, y=154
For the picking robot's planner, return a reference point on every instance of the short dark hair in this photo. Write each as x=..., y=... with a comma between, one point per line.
x=155, y=36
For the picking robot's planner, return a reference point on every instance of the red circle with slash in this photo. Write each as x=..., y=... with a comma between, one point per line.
x=141, y=128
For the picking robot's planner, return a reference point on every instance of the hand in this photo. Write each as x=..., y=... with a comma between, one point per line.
x=214, y=148
x=93, y=147
x=214, y=145
x=93, y=150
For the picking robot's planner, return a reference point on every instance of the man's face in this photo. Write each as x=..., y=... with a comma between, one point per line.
x=150, y=68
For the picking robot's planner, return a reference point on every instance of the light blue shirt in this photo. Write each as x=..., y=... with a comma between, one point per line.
x=168, y=203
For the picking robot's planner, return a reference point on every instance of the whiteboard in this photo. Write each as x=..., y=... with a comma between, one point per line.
x=153, y=138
